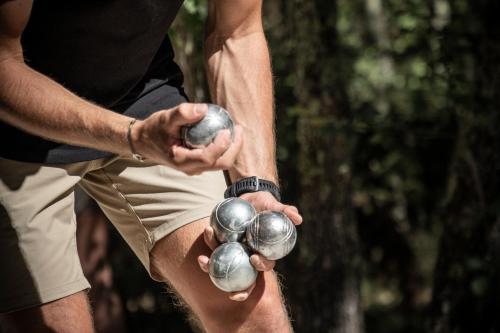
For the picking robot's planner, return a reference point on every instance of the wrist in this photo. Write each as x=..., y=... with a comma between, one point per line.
x=237, y=174
x=134, y=139
x=251, y=185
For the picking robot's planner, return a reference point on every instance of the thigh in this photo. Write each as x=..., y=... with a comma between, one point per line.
x=146, y=201
x=40, y=262
x=174, y=259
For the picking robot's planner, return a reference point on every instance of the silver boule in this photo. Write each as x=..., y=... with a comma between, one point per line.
x=271, y=234
x=230, y=218
x=230, y=268
x=202, y=133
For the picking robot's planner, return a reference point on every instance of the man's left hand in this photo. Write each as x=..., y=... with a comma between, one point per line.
x=261, y=201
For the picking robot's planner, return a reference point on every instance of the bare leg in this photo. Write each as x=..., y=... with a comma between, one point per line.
x=69, y=314
x=174, y=260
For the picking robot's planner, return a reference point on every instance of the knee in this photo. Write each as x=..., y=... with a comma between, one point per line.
x=263, y=311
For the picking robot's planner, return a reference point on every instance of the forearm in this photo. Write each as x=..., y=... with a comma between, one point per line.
x=40, y=106
x=240, y=79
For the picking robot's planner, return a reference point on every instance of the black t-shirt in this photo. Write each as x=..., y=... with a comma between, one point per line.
x=111, y=52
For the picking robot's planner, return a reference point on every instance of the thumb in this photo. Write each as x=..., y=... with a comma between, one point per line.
x=188, y=113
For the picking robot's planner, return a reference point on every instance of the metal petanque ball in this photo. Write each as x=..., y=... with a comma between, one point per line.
x=230, y=268
x=271, y=234
x=230, y=219
x=202, y=133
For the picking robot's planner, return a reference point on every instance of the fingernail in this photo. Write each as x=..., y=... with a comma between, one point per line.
x=203, y=260
x=241, y=297
x=200, y=108
x=257, y=263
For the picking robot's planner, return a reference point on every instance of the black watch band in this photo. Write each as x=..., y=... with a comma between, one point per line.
x=252, y=184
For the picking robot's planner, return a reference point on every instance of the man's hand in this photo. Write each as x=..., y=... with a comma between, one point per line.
x=158, y=138
x=261, y=201
x=240, y=80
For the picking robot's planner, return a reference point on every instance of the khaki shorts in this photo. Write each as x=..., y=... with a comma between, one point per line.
x=144, y=201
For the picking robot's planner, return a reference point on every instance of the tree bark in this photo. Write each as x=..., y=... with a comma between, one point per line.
x=326, y=268
x=466, y=295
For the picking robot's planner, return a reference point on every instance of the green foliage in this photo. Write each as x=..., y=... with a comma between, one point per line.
x=383, y=110
x=395, y=81
x=196, y=8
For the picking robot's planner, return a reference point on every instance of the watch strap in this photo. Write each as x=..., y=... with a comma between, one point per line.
x=252, y=184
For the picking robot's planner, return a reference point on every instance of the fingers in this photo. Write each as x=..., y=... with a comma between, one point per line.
x=163, y=143
x=266, y=201
x=261, y=263
x=211, y=154
x=240, y=296
x=219, y=155
x=209, y=237
x=226, y=160
x=202, y=157
x=186, y=114
x=293, y=213
x=203, y=263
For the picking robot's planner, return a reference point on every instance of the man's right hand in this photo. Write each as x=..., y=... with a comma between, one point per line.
x=157, y=138
x=42, y=107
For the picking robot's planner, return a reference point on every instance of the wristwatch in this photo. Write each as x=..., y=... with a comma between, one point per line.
x=252, y=184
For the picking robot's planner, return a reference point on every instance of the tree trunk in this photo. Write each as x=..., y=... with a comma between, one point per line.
x=466, y=294
x=326, y=267
x=329, y=272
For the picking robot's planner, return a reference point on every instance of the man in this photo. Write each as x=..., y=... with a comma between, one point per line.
x=65, y=66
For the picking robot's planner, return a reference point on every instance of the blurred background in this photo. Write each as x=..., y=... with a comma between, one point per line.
x=388, y=141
